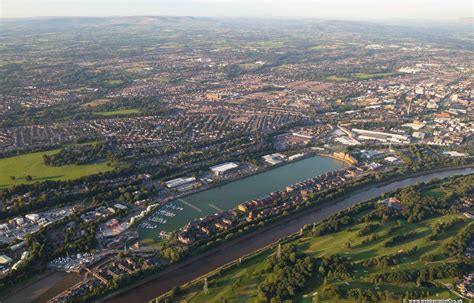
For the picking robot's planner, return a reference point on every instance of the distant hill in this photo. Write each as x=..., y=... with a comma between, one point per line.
x=80, y=22
x=467, y=21
x=392, y=28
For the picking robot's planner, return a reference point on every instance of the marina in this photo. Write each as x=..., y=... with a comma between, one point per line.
x=202, y=264
x=178, y=212
x=160, y=216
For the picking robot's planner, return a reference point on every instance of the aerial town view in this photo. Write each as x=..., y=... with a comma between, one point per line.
x=230, y=151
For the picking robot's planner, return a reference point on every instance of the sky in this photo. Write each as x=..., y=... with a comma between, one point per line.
x=443, y=10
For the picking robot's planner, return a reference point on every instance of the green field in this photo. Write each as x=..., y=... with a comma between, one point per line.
x=240, y=283
x=359, y=76
x=338, y=78
x=32, y=164
x=121, y=112
x=114, y=82
x=248, y=65
x=435, y=192
x=11, y=62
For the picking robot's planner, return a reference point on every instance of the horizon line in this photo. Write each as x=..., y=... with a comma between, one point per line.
x=242, y=17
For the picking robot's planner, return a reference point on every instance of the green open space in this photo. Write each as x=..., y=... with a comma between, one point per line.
x=359, y=76
x=11, y=62
x=240, y=283
x=113, y=82
x=434, y=192
x=249, y=65
x=371, y=76
x=338, y=78
x=14, y=170
x=331, y=46
x=135, y=69
x=121, y=112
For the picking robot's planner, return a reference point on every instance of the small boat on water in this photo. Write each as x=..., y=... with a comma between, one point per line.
x=167, y=213
x=147, y=225
x=172, y=206
x=158, y=220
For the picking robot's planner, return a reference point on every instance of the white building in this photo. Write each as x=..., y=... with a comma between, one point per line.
x=380, y=136
x=274, y=159
x=295, y=156
x=32, y=217
x=415, y=125
x=221, y=169
x=391, y=159
x=455, y=154
x=19, y=221
x=418, y=135
x=25, y=254
x=4, y=259
x=347, y=141
x=419, y=90
x=179, y=182
x=120, y=206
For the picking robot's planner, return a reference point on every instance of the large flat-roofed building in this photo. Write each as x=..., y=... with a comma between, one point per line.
x=295, y=156
x=347, y=141
x=223, y=168
x=363, y=134
x=4, y=259
x=32, y=217
x=179, y=182
x=274, y=159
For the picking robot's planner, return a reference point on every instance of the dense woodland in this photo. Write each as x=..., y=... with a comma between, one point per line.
x=288, y=272
x=85, y=154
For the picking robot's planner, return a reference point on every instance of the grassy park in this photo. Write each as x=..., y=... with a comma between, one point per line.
x=240, y=283
x=359, y=76
x=121, y=112
x=434, y=192
x=14, y=170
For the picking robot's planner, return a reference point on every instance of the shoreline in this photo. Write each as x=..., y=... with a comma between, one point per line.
x=258, y=171
x=251, y=174
x=113, y=297
x=346, y=161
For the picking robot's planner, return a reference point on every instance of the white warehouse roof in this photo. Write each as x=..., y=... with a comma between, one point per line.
x=179, y=181
x=223, y=167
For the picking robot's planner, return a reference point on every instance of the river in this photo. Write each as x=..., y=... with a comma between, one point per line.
x=197, y=266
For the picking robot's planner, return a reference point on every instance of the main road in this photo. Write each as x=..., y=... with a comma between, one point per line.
x=199, y=265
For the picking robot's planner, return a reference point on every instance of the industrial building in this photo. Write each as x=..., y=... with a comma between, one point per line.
x=223, y=168
x=4, y=259
x=32, y=217
x=347, y=141
x=295, y=156
x=179, y=182
x=381, y=136
x=274, y=159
